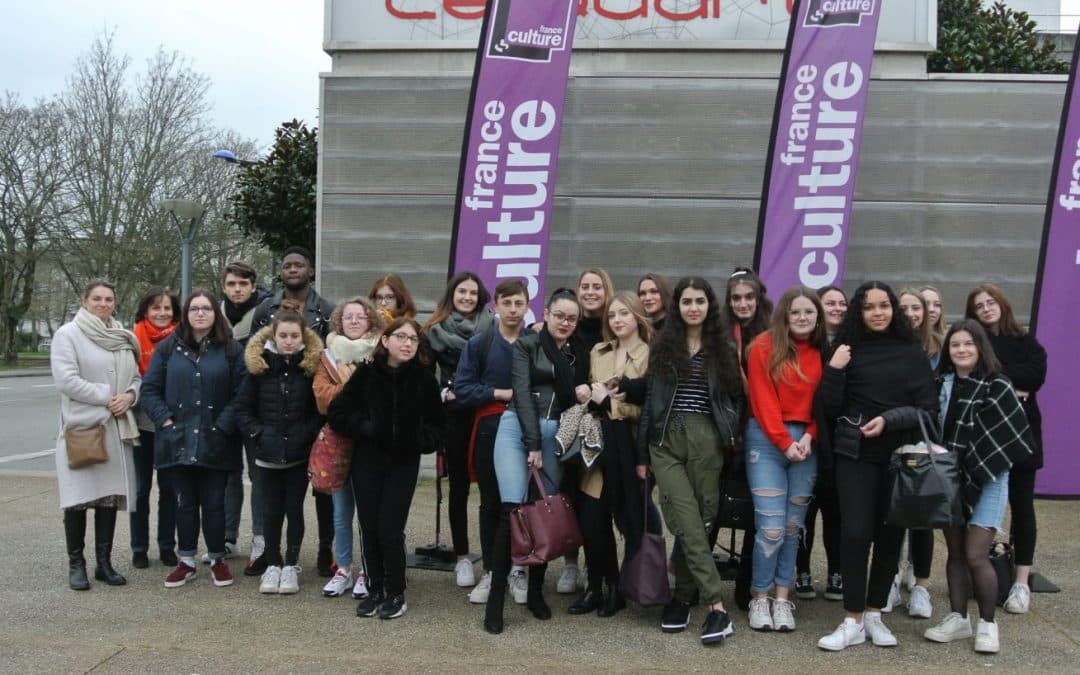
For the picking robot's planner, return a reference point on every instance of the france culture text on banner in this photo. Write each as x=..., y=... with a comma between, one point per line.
x=502, y=218
x=817, y=127
x=1054, y=318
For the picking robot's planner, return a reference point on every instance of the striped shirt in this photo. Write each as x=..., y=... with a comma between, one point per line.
x=692, y=392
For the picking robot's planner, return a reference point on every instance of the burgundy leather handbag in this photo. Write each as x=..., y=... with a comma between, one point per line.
x=543, y=530
x=643, y=578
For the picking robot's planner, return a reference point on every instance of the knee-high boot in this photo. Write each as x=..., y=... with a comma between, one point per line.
x=104, y=529
x=536, y=603
x=75, y=537
x=500, y=570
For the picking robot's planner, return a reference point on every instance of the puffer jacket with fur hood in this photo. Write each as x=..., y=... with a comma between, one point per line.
x=276, y=404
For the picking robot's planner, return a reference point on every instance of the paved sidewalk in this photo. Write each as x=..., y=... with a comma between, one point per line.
x=144, y=627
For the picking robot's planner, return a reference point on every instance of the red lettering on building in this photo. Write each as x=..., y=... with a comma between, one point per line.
x=458, y=8
x=702, y=12
x=412, y=16
x=641, y=11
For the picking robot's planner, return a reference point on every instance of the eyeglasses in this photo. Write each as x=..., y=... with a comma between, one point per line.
x=202, y=309
x=405, y=337
x=389, y=297
x=354, y=317
x=568, y=319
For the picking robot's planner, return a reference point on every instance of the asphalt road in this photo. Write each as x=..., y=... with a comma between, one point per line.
x=29, y=414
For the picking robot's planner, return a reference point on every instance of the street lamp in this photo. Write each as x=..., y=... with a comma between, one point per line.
x=187, y=215
x=230, y=157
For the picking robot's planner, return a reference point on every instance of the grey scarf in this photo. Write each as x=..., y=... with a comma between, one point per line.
x=455, y=330
x=125, y=350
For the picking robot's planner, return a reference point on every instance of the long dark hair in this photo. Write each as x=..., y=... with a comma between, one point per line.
x=1007, y=324
x=760, y=321
x=663, y=285
x=405, y=305
x=423, y=351
x=446, y=302
x=853, y=330
x=220, y=333
x=670, y=349
x=987, y=366
x=152, y=294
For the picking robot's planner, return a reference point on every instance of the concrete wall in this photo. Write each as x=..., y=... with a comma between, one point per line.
x=661, y=173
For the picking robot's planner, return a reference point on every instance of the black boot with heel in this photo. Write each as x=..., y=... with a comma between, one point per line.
x=75, y=537
x=104, y=529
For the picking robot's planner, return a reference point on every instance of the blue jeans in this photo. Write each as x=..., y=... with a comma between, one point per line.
x=781, y=490
x=511, y=459
x=344, y=509
x=140, y=515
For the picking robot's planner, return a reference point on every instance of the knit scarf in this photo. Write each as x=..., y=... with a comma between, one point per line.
x=455, y=330
x=126, y=353
x=236, y=312
x=149, y=335
x=344, y=350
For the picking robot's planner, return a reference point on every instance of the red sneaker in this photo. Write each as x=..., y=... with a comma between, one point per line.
x=179, y=576
x=220, y=571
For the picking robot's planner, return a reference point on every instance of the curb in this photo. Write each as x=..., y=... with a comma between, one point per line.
x=37, y=372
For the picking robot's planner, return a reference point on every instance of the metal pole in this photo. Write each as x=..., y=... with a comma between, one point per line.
x=185, y=267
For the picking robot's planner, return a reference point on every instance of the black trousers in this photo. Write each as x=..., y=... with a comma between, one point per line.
x=828, y=503
x=488, y=482
x=1023, y=530
x=863, y=488
x=456, y=443
x=594, y=518
x=283, y=492
x=140, y=515
x=384, y=492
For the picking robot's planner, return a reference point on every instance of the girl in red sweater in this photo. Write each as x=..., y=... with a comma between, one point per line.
x=783, y=370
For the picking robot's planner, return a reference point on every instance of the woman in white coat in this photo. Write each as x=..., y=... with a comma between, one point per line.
x=95, y=366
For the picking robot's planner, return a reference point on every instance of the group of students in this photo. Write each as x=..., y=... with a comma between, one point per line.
x=664, y=387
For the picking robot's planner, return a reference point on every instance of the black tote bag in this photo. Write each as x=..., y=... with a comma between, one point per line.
x=925, y=490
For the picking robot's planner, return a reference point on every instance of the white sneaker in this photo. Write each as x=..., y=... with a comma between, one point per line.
x=952, y=627
x=289, y=583
x=760, y=616
x=783, y=615
x=1019, y=601
x=894, y=596
x=907, y=577
x=271, y=580
x=519, y=586
x=877, y=630
x=338, y=584
x=568, y=579
x=258, y=547
x=986, y=638
x=479, y=594
x=230, y=551
x=919, y=605
x=466, y=577
x=359, y=589
x=847, y=634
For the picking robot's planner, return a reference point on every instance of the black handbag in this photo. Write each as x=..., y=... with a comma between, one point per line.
x=643, y=578
x=736, y=510
x=925, y=491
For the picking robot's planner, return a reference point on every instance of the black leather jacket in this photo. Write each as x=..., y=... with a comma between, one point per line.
x=532, y=377
x=727, y=411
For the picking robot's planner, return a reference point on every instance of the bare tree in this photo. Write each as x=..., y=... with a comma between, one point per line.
x=34, y=178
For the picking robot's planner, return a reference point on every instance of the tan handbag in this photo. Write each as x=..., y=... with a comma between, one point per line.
x=85, y=447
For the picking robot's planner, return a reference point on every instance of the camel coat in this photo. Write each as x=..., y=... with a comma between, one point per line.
x=83, y=373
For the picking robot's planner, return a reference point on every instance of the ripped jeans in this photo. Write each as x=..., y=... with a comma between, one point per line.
x=782, y=491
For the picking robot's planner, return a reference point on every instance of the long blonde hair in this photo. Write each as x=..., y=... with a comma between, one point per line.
x=631, y=302
x=924, y=333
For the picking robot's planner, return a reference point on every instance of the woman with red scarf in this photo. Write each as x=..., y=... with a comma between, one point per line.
x=157, y=316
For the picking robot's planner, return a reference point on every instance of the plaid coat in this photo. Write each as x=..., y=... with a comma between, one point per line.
x=986, y=427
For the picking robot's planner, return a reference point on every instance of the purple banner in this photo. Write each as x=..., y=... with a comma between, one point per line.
x=1054, y=318
x=817, y=127
x=502, y=219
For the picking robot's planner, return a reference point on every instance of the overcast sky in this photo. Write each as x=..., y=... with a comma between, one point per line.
x=263, y=57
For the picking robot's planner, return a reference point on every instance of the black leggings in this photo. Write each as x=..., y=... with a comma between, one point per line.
x=595, y=518
x=863, y=488
x=1022, y=507
x=283, y=492
x=921, y=552
x=488, y=482
x=458, y=429
x=826, y=501
x=384, y=491
x=969, y=565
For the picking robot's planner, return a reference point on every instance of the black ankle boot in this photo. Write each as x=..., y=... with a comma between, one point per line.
x=75, y=536
x=613, y=601
x=104, y=529
x=588, y=602
x=500, y=570
x=535, y=601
